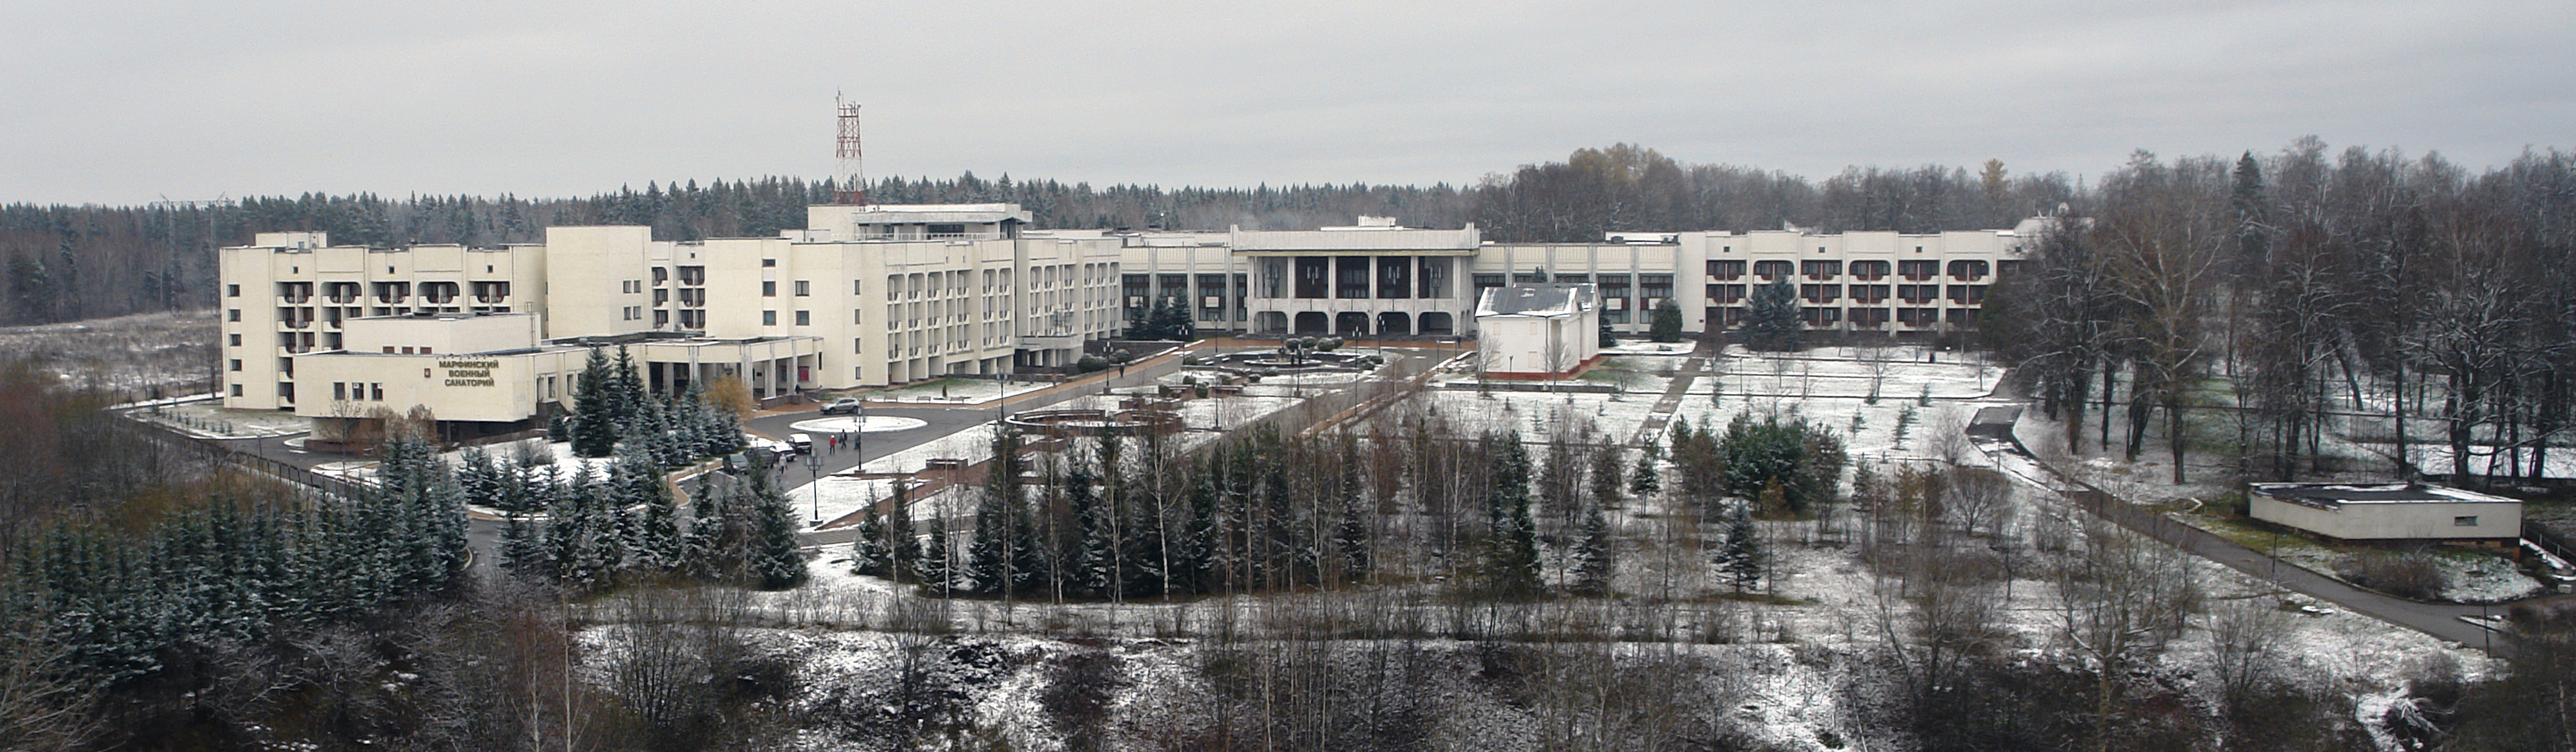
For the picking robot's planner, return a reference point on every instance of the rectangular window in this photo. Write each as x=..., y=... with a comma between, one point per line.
x=768, y=318
x=1312, y=277
x=769, y=289
x=804, y=318
x=237, y=390
x=768, y=263
x=236, y=340
x=1726, y=269
x=378, y=391
x=236, y=364
x=2466, y=520
x=286, y=391
x=232, y=315
x=232, y=291
x=339, y=390
x=1655, y=286
x=804, y=288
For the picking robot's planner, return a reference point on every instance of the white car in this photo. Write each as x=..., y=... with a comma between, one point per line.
x=797, y=442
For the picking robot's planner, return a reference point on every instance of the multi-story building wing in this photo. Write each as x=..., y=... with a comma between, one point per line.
x=869, y=296
x=1378, y=279
x=874, y=295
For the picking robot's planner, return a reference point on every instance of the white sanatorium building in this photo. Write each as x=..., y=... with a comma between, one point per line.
x=882, y=294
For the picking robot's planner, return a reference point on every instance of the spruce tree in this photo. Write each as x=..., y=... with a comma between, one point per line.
x=1595, y=556
x=1093, y=570
x=1648, y=480
x=1740, y=555
x=1512, y=562
x=689, y=422
x=902, y=547
x=1143, y=551
x=869, y=554
x=1772, y=322
x=626, y=399
x=480, y=479
x=1195, y=554
x=993, y=558
x=1512, y=559
x=522, y=552
x=1351, y=541
x=707, y=545
x=1605, y=476
x=776, y=561
x=594, y=427
x=656, y=542
x=1667, y=324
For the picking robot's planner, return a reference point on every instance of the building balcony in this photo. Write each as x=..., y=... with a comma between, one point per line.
x=1056, y=340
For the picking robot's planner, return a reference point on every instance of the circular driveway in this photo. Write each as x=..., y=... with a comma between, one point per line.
x=869, y=424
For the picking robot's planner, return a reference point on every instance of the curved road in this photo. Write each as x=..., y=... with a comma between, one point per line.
x=1992, y=428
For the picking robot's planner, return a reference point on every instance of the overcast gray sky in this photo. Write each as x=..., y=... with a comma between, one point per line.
x=123, y=102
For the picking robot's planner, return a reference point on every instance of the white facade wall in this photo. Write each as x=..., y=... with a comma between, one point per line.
x=1709, y=275
x=292, y=293
x=443, y=335
x=2395, y=520
x=496, y=388
x=877, y=311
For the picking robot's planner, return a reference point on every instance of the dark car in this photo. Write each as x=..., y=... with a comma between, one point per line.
x=842, y=406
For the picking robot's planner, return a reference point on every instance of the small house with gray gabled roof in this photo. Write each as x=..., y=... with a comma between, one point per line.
x=1538, y=331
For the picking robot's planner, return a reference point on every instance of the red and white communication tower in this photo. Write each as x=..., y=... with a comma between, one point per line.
x=853, y=188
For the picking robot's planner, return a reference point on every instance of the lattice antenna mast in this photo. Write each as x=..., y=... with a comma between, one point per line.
x=853, y=189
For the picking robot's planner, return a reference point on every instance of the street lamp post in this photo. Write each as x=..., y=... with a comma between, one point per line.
x=814, y=468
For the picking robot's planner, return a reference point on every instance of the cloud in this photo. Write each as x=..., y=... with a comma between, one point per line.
x=124, y=102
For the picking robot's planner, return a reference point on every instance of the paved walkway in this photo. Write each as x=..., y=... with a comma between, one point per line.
x=1662, y=414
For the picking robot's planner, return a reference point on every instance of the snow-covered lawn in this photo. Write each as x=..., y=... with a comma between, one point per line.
x=1893, y=373
x=209, y=419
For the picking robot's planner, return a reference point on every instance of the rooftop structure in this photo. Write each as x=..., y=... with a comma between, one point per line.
x=2387, y=511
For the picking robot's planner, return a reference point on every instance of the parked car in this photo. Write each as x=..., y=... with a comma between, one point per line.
x=800, y=443
x=843, y=406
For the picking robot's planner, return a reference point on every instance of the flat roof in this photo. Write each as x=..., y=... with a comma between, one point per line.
x=1535, y=299
x=2331, y=495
